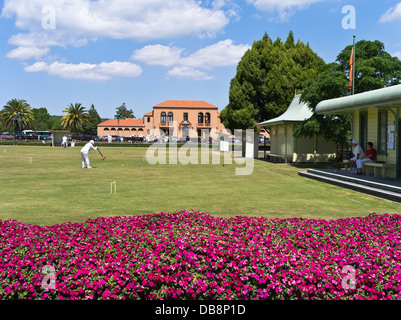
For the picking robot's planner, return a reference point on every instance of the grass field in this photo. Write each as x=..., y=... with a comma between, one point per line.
x=54, y=189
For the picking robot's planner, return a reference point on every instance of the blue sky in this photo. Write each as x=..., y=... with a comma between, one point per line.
x=143, y=52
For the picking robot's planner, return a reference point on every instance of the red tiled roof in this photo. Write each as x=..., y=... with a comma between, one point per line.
x=129, y=122
x=185, y=104
x=150, y=113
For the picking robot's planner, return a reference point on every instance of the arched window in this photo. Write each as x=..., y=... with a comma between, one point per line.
x=140, y=129
x=200, y=117
x=207, y=118
x=126, y=129
x=120, y=129
x=133, y=129
x=106, y=129
x=170, y=117
x=113, y=129
x=163, y=117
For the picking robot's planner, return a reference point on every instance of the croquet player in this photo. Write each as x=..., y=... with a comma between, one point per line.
x=85, y=153
x=64, y=143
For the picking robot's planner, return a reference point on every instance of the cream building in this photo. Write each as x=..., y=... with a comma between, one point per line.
x=284, y=146
x=376, y=117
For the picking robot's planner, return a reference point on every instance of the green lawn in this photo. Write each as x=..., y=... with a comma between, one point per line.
x=54, y=188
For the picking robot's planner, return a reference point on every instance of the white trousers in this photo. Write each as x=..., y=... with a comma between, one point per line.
x=85, y=158
x=360, y=161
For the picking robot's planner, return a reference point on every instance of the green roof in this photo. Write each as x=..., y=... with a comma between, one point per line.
x=385, y=97
x=297, y=112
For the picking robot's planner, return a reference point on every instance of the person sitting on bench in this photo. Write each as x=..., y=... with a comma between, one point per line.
x=370, y=155
x=358, y=152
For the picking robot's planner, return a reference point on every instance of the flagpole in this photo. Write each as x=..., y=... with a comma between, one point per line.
x=353, y=68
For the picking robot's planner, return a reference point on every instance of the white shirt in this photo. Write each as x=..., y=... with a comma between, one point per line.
x=87, y=147
x=64, y=139
x=357, y=150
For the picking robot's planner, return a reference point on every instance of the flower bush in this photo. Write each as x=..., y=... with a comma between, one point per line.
x=193, y=255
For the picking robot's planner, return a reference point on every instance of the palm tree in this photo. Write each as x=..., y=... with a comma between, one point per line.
x=17, y=109
x=76, y=116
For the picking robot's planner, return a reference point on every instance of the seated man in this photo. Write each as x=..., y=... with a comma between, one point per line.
x=370, y=155
x=358, y=152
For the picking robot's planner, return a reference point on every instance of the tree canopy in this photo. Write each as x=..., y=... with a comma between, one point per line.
x=266, y=79
x=76, y=117
x=42, y=119
x=374, y=67
x=123, y=113
x=94, y=120
x=17, y=110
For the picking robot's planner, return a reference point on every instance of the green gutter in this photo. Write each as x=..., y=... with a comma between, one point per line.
x=376, y=98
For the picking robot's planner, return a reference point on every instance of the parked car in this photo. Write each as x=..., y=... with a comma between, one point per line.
x=6, y=136
x=95, y=138
x=29, y=136
x=85, y=137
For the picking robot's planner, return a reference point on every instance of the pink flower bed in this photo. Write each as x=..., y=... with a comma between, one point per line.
x=193, y=255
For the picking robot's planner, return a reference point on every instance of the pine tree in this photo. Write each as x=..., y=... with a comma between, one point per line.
x=266, y=79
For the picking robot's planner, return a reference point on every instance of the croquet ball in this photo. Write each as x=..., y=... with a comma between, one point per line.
x=122, y=165
x=139, y=165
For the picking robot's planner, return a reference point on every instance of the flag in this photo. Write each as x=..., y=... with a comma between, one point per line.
x=351, y=69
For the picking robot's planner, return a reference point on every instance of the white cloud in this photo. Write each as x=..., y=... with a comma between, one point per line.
x=394, y=13
x=220, y=54
x=158, y=55
x=223, y=53
x=86, y=71
x=189, y=72
x=397, y=54
x=285, y=8
x=24, y=53
x=78, y=21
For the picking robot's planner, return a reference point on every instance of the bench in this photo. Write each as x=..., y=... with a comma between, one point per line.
x=286, y=158
x=377, y=165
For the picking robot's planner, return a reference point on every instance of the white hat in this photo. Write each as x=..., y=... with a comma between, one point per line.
x=354, y=142
x=93, y=142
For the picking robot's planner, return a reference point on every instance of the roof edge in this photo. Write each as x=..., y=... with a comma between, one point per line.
x=380, y=97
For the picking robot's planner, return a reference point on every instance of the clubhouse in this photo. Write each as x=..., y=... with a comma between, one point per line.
x=178, y=118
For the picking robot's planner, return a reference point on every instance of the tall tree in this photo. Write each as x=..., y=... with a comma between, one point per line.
x=55, y=123
x=123, y=113
x=42, y=119
x=76, y=117
x=94, y=120
x=266, y=79
x=374, y=69
x=17, y=110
